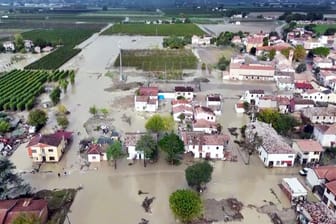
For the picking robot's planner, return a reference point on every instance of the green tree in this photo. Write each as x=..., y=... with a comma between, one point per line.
x=37, y=118
x=265, y=41
x=93, y=110
x=285, y=52
x=26, y=218
x=55, y=95
x=158, y=124
x=272, y=54
x=62, y=121
x=186, y=205
x=198, y=175
x=18, y=41
x=64, y=84
x=11, y=184
x=148, y=146
x=224, y=38
x=115, y=152
x=72, y=77
x=299, y=53
x=173, y=146
x=104, y=111
x=223, y=63
x=4, y=126
x=321, y=51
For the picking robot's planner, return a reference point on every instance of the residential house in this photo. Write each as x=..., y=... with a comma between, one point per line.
x=326, y=76
x=239, y=107
x=279, y=74
x=320, y=62
x=283, y=104
x=319, y=96
x=204, y=113
x=252, y=96
x=48, y=148
x=205, y=126
x=285, y=84
x=146, y=99
x=203, y=145
x=214, y=102
x=11, y=209
x=326, y=115
x=277, y=47
x=273, y=150
x=267, y=102
x=311, y=44
x=185, y=92
x=257, y=72
x=301, y=87
x=318, y=176
x=47, y=49
x=97, y=153
x=205, y=40
x=8, y=45
x=130, y=141
x=298, y=104
x=254, y=41
x=185, y=109
x=236, y=40
x=332, y=84
x=325, y=134
x=28, y=44
x=308, y=150
x=329, y=196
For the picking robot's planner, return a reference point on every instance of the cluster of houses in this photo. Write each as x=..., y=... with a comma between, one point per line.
x=9, y=46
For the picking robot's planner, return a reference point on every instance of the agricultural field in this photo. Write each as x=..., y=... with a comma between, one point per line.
x=154, y=29
x=158, y=60
x=321, y=28
x=20, y=88
x=67, y=38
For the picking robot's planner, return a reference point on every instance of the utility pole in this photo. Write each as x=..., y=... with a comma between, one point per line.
x=120, y=63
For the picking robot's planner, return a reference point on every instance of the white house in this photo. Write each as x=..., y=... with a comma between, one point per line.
x=325, y=134
x=253, y=95
x=204, y=113
x=326, y=76
x=146, y=99
x=257, y=72
x=239, y=107
x=203, y=145
x=285, y=84
x=9, y=46
x=267, y=102
x=308, y=150
x=28, y=44
x=329, y=196
x=185, y=92
x=316, y=115
x=294, y=190
x=96, y=153
x=130, y=141
x=311, y=44
x=214, y=102
x=319, y=62
x=326, y=96
x=185, y=109
x=273, y=151
x=298, y=104
x=204, y=126
x=205, y=40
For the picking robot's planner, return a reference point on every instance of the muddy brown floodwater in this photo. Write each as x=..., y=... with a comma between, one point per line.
x=111, y=196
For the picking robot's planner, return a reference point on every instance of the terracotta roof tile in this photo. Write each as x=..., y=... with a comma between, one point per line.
x=309, y=145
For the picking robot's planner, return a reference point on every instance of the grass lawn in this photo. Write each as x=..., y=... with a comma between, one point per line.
x=158, y=60
x=321, y=28
x=155, y=29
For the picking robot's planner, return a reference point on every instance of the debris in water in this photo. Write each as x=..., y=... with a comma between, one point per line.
x=140, y=192
x=147, y=203
x=144, y=221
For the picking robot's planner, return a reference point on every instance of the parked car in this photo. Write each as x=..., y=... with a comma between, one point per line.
x=304, y=171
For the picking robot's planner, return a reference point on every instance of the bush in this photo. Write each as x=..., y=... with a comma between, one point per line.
x=62, y=121
x=223, y=63
x=37, y=118
x=301, y=68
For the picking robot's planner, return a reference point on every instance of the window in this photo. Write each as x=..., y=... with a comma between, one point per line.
x=208, y=118
x=34, y=151
x=52, y=158
x=317, y=117
x=328, y=191
x=193, y=147
x=93, y=157
x=217, y=147
x=277, y=162
x=50, y=150
x=306, y=153
x=316, y=153
x=324, y=118
x=290, y=156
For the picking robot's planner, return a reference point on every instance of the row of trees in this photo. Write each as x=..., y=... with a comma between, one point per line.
x=289, y=16
x=175, y=42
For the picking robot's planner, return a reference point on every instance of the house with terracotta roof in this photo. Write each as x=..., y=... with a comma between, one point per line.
x=274, y=150
x=298, y=104
x=97, y=152
x=252, y=71
x=254, y=41
x=48, y=148
x=236, y=40
x=204, y=113
x=325, y=134
x=205, y=126
x=11, y=209
x=302, y=86
x=204, y=40
x=267, y=102
x=253, y=96
x=277, y=47
x=186, y=92
x=322, y=115
x=129, y=144
x=329, y=196
x=283, y=104
x=203, y=145
x=146, y=99
x=317, y=177
x=325, y=76
x=185, y=109
x=326, y=95
x=308, y=150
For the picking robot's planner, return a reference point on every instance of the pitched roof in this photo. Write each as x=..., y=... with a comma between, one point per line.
x=201, y=123
x=148, y=91
x=184, y=89
x=51, y=139
x=309, y=145
x=95, y=149
x=182, y=108
x=326, y=129
x=213, y=97
x=326, y=172
x=331, y=186
x=202, y=109
x=251, y=66
x=299, y=85
x=256, y=91
x=201, y=138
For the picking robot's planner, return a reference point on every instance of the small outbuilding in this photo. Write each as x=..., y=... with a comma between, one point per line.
x=294, y=190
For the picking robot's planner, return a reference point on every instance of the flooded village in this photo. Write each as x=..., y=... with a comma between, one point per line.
x=264, y=122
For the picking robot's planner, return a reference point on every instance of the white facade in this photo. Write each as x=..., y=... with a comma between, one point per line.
x=326, y=140
x=145, y=103
x=166, y=95
x=276, y=160
x=329, y=198
x=97, y=157
x=133, y=154
x=186, y=95
x=306, y=157
x=196, y=40
x=310, y=44
x=205, y=116
x=9, y=46
x=312, y=179
x=317, y=96
x=207, y=151
x=322, y=119
x=285, y=84
x=253, y=95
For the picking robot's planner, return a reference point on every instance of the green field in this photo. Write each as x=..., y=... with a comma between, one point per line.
x=321, y=28
x=155, y=29
x=19, y=88
x=158, y=60
x=68, y=38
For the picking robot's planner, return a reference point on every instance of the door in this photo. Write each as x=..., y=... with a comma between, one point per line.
x=43, y=158
x=270, y=164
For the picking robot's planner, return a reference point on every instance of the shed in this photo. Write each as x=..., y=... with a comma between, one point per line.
x=294, y=189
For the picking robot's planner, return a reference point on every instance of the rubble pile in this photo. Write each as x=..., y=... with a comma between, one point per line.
x=319, y=213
